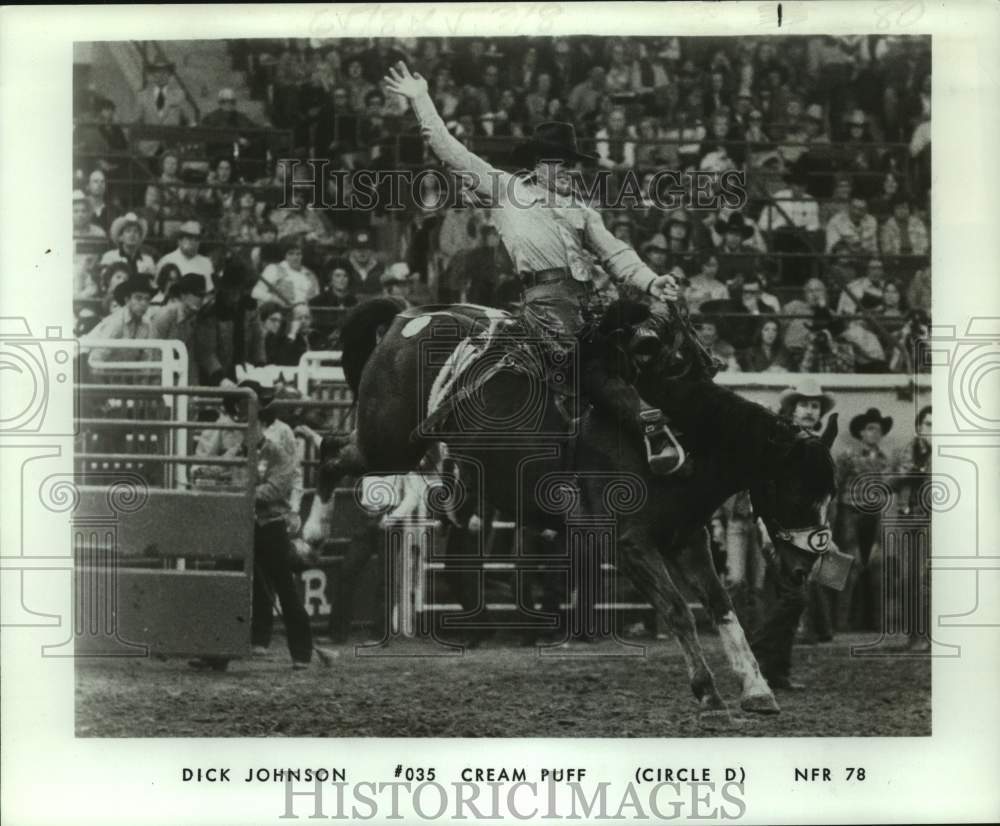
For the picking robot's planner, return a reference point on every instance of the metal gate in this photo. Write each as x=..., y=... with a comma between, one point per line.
x=163, y=565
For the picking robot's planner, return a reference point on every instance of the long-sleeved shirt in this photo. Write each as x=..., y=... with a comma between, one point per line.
x=278, y=473
x=540, y=230
x=121, y=324
x=803, y=212
x=864, y=233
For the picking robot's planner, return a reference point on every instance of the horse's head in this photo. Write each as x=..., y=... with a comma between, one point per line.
x=644, y=335
x=793, y=505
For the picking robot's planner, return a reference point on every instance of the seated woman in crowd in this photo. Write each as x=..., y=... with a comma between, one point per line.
x=768, y=353
x=166, y=286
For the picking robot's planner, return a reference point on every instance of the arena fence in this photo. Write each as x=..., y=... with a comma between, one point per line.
x=160, y=568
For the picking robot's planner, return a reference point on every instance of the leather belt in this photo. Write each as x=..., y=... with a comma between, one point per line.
x=549, y=276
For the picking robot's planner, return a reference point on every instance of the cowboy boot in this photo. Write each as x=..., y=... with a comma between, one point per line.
x=664, y=453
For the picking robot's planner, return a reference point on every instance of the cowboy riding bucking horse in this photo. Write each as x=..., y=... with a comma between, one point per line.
x=546, y=229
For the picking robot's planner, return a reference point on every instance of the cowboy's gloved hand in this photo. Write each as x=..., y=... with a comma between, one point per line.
x=664, y=287
x=401, y=82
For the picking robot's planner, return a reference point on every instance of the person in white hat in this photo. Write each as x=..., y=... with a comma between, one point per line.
x=806, y=405
x=186, y=257
x=127, y=233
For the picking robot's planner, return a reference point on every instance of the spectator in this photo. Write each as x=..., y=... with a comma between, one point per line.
x=918, y=294
x=586, y=96
x=177, y=320
x=708, y=334
x=186, y=257
x=111, y=276
x=705, y=286
x=152, y=210
x=335, y=289
x=160, y=104
x=650, y=153
x=797, y=333
x=793, y=206
x=654, y=253
x=288, y=282
x=903, y=233
x=366, y=269
x=218, y=196
x=397, y=282
x=619, y=74
x=893, y=309
x=250, y=152
x=869, y=355
x=127, y=233
x=855, y=226
x=858, y=531
x=616, y=142
x=826, y=351
x=177, y=200
x=299, y=220
x=129, y=322
x=357, y=85
x=85, y=233
x=767, y=354
x=735, y=247
x=227, y=330
x=167, y=280
x=864, y=293
x=753, y=297
x=101, y=211
x=239, y=221
x=881, y=206
x=910, y=351
x=272, y=319
x=715, y=155
x=857, y=155
x=474, y=275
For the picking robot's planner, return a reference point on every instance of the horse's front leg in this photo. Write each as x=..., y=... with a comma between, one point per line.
x=695, y=566
x=641, y=562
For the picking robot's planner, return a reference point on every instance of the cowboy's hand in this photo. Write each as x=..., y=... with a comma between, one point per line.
x=664, y=287
x=401, y=82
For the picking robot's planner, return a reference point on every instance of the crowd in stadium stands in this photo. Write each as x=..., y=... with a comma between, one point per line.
x=826, y=269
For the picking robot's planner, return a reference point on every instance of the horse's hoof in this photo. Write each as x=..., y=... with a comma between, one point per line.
x=712, y=702
x=760, y=704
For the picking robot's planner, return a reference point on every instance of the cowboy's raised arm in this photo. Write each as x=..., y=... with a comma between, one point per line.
x=622, y=262
x=483, y=178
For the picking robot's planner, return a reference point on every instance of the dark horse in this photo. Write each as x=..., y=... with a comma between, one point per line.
x=512, y=439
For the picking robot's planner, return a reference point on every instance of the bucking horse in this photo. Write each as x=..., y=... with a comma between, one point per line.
x=455, y=387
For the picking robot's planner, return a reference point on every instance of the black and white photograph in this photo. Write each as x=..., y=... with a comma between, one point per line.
x=435, y=382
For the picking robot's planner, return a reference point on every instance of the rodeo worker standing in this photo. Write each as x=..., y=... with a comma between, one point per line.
x=272, y=551
x=546, y=229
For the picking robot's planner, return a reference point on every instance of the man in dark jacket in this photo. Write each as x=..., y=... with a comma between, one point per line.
x=228, y=331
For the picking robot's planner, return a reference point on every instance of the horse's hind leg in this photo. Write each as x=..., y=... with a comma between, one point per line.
x=642, y=563
x=696, y=568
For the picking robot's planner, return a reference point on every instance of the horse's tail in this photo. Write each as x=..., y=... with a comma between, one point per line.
x=360, y=333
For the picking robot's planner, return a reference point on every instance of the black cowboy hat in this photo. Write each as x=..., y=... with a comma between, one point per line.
x=135, y=283
x=734, y=223
x=552, y=140
x=191, y=283
x=872, y=414
x=823, y=319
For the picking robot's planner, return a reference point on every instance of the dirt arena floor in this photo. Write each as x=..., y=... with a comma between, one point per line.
x=494, y=691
